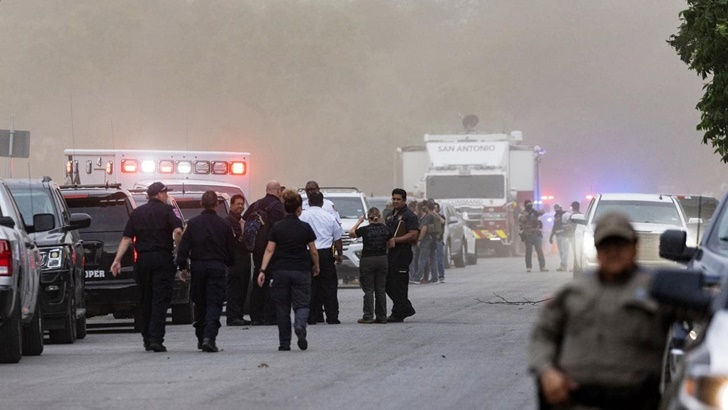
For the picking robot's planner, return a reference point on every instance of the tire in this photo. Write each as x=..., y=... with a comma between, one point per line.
x=33, y=332
x=460, y=258
x=67, y=335
x=11, y=336
x=473, y=259
x=183, y=314
x=81, y=330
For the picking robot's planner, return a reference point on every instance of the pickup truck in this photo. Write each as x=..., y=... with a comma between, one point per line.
x=21, y=331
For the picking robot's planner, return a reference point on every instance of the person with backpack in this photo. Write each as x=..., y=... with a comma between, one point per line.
x=259, y=219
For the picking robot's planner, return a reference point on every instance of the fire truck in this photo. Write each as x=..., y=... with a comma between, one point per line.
x=484, y=176
x=226, y=172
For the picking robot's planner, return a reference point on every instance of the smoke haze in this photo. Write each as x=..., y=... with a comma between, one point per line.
x=327, y=90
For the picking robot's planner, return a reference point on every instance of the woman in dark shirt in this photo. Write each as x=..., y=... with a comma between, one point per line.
x=290, y=261
x=373, y=265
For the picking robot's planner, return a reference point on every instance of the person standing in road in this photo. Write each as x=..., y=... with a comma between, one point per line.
x=373, y=265
x=562, y=241
x=324, y=287
x=290, y=264
x=210, y=244
x=328, y=206
x=570, y=227
x=154, y=230
x=238, y=276
x=430, y=231
x=262, y=311
x=403, y=225
x=598, y=343
x=439, y=274
x=531, y=234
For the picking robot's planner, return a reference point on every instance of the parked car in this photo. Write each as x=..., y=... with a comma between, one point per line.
x=698, y=210
x=110, y=207
x=383, y=203
x=61, y=249
x=701, y=378
x=710, y=259
x=21, y=307
x=651, y=215
x=456, y=244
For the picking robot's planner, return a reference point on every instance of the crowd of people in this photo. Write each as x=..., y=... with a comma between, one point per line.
x=531, y=233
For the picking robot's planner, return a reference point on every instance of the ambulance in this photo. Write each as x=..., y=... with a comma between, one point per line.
x=225, y=172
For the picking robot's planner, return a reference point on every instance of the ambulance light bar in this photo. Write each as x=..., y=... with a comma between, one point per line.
x=147, y=166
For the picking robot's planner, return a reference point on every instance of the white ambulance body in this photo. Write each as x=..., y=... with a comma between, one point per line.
x=188, y=170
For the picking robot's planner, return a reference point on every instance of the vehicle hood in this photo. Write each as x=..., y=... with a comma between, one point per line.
x=49, y=238
x=654, y=228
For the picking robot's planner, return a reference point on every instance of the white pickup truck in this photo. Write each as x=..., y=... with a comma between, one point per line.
x=21, y=332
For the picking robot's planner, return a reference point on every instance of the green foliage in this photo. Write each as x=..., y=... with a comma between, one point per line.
x=702, y=43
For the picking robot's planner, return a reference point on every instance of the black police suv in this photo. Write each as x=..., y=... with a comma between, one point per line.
x=62, y=274
x=109, y=207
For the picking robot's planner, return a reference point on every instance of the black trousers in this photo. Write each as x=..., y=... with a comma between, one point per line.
x=397, y=286
x=261, y=305
x=325, y=288
x=290, y=290
x=207, y=290
x=238, y=281
x=154, y=274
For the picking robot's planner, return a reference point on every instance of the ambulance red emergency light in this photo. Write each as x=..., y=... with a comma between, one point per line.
x=196, y=170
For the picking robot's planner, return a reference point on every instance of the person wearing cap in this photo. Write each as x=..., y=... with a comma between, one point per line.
x=209, y=243
x=598, y=343
x=155, y=231
x=531, y=234
x=562, y=241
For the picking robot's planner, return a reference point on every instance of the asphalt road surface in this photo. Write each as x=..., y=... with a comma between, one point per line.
x=465, y=348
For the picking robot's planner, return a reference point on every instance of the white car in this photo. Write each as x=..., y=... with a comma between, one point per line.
x=651, y=215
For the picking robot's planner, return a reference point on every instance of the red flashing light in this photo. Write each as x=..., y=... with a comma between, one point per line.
x=238, y=168
x=129, y=166
x=166, y=167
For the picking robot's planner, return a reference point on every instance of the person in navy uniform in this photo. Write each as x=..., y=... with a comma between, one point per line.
x=399, y=256
x=238, y=276
x=155, y=230
x=209, y=243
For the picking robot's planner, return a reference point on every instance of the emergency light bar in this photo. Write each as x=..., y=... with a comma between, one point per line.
x=132, y=166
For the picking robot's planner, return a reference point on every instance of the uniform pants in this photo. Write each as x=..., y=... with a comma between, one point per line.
x=208, y=292
x=534, y=241
x=324, y=288
x=440, y=256
x=397, y=286
x=290, y=289
x=261, y=305
x=373, y=279
x=238, y=280
x=154, y=274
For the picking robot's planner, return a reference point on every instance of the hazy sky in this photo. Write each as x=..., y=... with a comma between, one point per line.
x=327, y=90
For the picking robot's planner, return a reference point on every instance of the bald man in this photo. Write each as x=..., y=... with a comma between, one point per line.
x=262, y=310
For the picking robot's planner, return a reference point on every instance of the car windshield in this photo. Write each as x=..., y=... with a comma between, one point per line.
x=349, y=207
x=108, y=213
x=641, y=211
x=32, y=201
x=191, y=207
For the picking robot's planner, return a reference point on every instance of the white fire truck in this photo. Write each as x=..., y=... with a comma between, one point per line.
x=227, y=172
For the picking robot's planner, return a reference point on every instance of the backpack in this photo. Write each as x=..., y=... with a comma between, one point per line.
x=435, y=228
x=255, y=230
x=567, y=225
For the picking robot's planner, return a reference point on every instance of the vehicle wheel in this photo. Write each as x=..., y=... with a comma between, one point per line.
x=33, y=332
x=460, y=258
x=448, y=256
x=67, y=335
x=473, y=259
x=81, y=330
x=183, y=314
x=11, y=336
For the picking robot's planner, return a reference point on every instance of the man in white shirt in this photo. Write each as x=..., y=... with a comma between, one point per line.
x=324, y=287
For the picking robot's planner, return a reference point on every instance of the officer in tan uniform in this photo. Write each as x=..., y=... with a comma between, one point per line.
x=598, y=342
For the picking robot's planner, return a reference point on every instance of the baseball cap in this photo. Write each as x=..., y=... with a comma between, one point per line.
x=156, y=188
x=557, y=206
x=614, y=225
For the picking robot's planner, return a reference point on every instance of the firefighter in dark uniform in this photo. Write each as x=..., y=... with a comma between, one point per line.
x=400, y=255
x=210, y=244
x=154, y=229
x=238, y=277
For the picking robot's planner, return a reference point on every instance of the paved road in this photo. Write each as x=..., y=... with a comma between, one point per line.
x=465, y=348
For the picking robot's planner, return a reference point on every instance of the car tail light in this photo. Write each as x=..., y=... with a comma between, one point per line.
x=166, y=167
x=238, y=168
x=129, y=166
x=6, y=258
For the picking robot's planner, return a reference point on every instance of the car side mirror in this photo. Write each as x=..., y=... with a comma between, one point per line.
x=578, y=219
x=681, y=289
x=43, y=222
x=80, y=221
x=453, y=219
x=672, y=246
